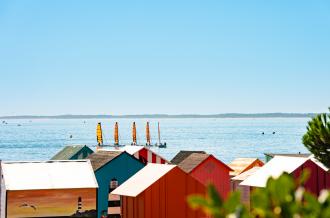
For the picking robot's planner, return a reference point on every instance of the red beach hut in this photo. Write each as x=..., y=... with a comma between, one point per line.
x=206, y=169
x=159, y=190
x=319, y=174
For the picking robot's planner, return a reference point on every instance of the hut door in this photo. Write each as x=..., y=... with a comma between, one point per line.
x=113, y=201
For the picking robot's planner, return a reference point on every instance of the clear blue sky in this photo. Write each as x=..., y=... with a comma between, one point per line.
x=171, y=56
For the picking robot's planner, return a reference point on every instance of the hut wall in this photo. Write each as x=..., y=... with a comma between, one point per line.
x=211, y=171
x=318, y=179
x=121, y=169
x=244, y=190
x=3, y=200
x=166, y=198
x=147, y=156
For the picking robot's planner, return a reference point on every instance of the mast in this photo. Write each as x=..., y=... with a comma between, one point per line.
x=116, y=134
x=148, y=134
x=159, y=134
x=99, y=137
x=134, y=134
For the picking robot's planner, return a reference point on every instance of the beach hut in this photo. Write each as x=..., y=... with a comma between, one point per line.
x=319, y=174
x=240, y=165
x=244, y=190
x=48, y=189
x=269, y=156
x=73, y=152
x=112, y=168
x=206, y=169
x=159, y=190
x=142, y=153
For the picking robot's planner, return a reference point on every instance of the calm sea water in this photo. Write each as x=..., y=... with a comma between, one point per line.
x=225, y=138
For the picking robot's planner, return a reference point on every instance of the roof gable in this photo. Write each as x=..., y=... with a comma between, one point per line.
x=131, y=149
x=246, y=174
x=288, y=155
x=101, y=158
x=274, y=168
x=240, y=165
x=192, y=161
x=219, y=162
x=179, y=157
x=48, y=175
x=318, y=163
x=143, y=179
x=69, y=151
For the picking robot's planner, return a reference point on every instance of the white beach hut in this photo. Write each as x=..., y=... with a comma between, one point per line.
x=48, y=189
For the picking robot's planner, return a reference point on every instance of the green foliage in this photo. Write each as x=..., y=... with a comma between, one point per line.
x=282, y=197
x=317, y=138
x=215, y=206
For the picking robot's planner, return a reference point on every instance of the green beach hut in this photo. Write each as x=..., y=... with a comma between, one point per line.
x=112, y=168
x=73, y=152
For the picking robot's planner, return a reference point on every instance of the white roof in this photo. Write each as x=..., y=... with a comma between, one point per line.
x=274, y=168
x=131, y=149
x=48, y=175
x=143, y=179
x=246, y=174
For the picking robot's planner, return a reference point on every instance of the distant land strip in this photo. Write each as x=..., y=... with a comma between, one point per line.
x=227, y=115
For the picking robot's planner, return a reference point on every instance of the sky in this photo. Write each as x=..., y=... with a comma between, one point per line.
x=164, y=57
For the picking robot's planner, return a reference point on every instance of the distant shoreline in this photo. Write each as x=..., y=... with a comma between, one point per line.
x=183, y=116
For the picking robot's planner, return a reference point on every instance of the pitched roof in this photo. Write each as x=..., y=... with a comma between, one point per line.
x=143, y=179
x=240, y=165
x=68, y=152
x=179, y=157
x=100, y=158
x=274, y=168
x=131, y=149
x=288, y=155
x=246, y=174
x=192, y=161
x=38, y=175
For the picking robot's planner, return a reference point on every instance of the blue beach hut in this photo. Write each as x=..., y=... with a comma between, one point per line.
x=112, y=168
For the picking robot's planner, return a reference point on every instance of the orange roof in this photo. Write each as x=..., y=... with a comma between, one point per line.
x=240, y=165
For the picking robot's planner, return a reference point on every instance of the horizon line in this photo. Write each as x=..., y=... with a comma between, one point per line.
x=220, y=115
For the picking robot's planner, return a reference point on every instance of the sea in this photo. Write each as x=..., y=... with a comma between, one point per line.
x=225, y=138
